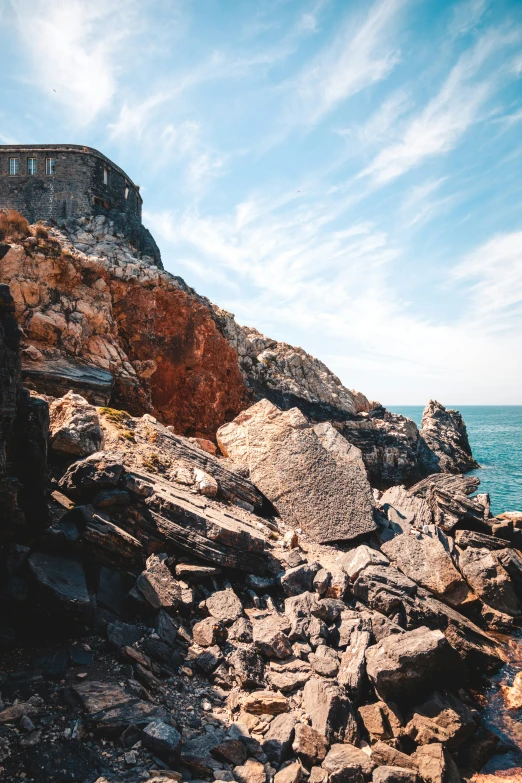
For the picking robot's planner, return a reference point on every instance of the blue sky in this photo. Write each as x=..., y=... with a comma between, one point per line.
x=343, y=175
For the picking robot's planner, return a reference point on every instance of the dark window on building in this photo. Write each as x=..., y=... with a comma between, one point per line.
x=49, y=166
x=14, y=166
x=31, y=166
x=126, y=190
x=105, y=175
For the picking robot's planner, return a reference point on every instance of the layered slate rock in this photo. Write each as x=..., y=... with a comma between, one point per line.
x=182, y=519
x=408, y=662
x=315, y=479
x=111, y=709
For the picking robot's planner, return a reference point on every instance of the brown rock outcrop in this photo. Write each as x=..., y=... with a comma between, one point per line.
x=117, y=329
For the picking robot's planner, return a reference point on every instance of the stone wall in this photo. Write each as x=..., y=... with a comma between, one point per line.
x=85, y=183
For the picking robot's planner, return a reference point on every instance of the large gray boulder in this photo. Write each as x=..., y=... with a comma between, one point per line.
x=403, y=664
x=312, y=475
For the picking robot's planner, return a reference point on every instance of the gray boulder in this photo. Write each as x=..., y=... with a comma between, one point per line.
x=313, y=476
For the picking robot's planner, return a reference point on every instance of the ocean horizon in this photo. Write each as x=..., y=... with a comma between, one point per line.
x=495, y=436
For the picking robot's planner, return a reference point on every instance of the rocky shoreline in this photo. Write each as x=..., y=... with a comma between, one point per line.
x=301, y=589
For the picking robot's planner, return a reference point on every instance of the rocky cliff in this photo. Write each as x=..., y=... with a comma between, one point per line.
x=259, y=615
x=98, y=318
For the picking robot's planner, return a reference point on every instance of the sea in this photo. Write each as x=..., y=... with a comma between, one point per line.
x=495, y=436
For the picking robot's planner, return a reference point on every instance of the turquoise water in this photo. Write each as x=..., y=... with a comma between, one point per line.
x=495, y=436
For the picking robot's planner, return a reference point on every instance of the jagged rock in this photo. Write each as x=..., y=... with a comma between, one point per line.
x=426, y=558
x=389, y=445
x=250, y=772
x=158, y=587
x=352, y=669
x=394, y=775
x=448, y=714
x=325, y=661
x=123, y=634
x=225, y=606
x=248, y=667
x=110, y=709
x=382, y=721
x=385, y=755
x=299, y=579
x=279, y=738
x=210, y=659
x=260, y=702
x=110, y=544
x=195, y=572
x=269, y=636
x=166, y=629
x=436, y=765
x=358, y=559
x=101, y=470
x=330, y=711
x=407, y=662
x=346, y=763
x=467, y=538
x=61, y=584
x=299, y=609
x=291, y=674
x=326, y=491
x=447, y=499
x=445, y=439
x=208, y=632
x=241, y=630
x=163, y=740
x=489, y=580
x=232, y=751
x=289, y=774
x=321, y=581
x=309, y=745
x=74, y=426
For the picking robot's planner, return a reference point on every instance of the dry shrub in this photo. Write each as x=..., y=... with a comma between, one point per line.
x=13, y=225
x=41, y=233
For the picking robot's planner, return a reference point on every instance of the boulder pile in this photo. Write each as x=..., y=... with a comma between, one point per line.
x=180, y=616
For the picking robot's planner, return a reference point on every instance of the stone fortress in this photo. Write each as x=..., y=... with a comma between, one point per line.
x=59, y=182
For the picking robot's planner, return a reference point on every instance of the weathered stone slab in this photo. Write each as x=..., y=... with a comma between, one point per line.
x=315, y=479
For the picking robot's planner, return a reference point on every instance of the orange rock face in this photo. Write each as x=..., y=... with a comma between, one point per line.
x=159, y=341
x=197, y=384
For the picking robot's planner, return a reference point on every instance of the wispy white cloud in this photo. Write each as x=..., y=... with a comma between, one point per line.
x=493, y=273
x=362, y=53
x=74, y=48
x=466, y=16
x=441, y=124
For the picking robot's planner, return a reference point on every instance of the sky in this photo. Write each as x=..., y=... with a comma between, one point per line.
x=342, y=175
